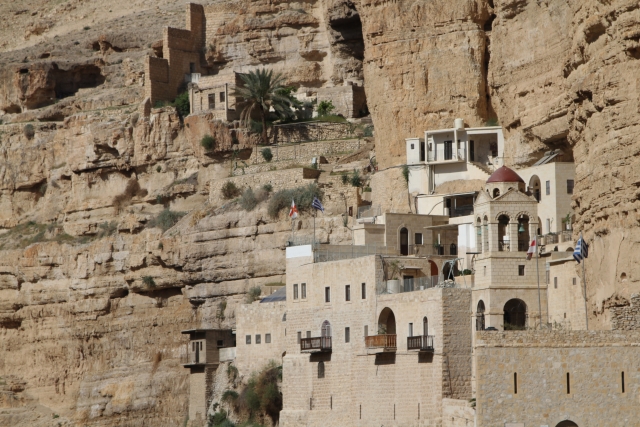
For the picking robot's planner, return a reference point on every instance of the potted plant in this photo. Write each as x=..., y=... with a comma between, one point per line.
x=438, y=249
x=393, y=276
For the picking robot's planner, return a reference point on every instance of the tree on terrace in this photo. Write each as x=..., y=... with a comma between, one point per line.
x=262, y=91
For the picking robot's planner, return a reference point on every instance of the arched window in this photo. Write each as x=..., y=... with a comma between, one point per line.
x=404, y=241
x=326, y=329
x=425, y=326
x=534, y=187
x=480, y=316
x=515, y=315
x=485, y=234
x=496, y=193
x=524, y=239
x=284, y=317
x=503, y=233
x=453, y=249
x=479, y=235
x=387, y=322
x=321, y=369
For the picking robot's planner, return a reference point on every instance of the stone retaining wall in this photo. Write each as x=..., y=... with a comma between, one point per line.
x=626, y=318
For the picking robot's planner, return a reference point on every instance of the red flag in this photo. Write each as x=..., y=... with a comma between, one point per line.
x=532, y=249
x=293, y=213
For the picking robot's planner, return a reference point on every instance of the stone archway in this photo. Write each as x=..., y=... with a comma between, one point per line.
x=567, y=423
x=404, y=241
x=387, y=322
x=515, y=315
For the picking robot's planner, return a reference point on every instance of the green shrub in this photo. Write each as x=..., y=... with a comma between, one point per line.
x=158, y=168
x=267, y=188
x=208, y=142
x=219, y=419
x=148, y=281
x=166, y=219
x=355, y=179
x=254, y=294
x=29, y=131
x=182, y=104
x=366, y=190
x=368, y=131
x=261, y=394
x=325, y=108
x=248, y=200
x=405, y=173
x=107, y=229
x=492, y=122
x=267, y=155
x=229, y=190
x=344, y=178
x=303, y=197
x=229, y=396
x=232, y=372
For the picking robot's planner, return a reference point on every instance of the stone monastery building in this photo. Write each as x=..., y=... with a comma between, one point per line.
x=439, y=318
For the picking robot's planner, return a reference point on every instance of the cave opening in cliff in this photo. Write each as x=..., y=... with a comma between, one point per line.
x=68, y=82
x=347, y=41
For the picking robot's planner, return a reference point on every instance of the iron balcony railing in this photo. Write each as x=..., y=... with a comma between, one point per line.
x=315, y=344
x=387, y=341
x=464, y=210
x=420, y=343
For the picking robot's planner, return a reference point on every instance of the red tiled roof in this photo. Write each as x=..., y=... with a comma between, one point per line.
x=504, y=174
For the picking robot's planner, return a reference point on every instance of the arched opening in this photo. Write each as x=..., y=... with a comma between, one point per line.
x=480, y=316
x=567, y=423
x=284, y=317
x=515, y=315
x=524, y=239
x=387, y=322
x=404, y=241
x=479, y=235
x=434, y=268
x=326, y=329
x=534, y=187
x=425, y=326
x=453, y=249
x=485, y=234
x=496, y=193
x=503, y=233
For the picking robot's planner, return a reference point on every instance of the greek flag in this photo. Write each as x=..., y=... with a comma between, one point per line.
x=582, y=250
x=317, y=205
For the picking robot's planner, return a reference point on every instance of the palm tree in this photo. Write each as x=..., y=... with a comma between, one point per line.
x=262, y=91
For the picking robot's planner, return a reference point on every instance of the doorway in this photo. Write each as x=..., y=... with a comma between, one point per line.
x=404, y=241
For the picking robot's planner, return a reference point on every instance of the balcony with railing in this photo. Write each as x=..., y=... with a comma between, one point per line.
x=422, y=343
x=315, y=345
x=381, y=343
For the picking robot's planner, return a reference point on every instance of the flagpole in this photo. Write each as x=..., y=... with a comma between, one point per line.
x=538, y=276
x=315, y=212
x=584, y=283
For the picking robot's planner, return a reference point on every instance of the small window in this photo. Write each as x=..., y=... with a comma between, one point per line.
x=303, y=290
x=570, y=186
x=267, y=338
x=568, y=383
x=515, y=383
x=258, y=339
x=574, y=281
x=221, y=96
x=320, y=369
x=327, y=294
x=364, y=291
x=548, y=187
x=412, y=146
x=347, y=334
x=410, y=329
x=192, y=67
x=555, y=282
x=622, y=381
x=417, y=239
x=521, y=270
x=295, y=291
x=212, y=101
x=366, y=330
x=248, y=338
x=347, y=293
x=308, y=334
x=299, y=337
x=485, y=270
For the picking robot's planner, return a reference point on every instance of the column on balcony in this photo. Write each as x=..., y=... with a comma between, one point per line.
x=493, y=237
x=513, y=234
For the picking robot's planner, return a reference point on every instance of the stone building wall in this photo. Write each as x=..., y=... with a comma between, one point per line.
x=304, y=152
x=628, y=317
x=360, y=388
x=565, y=293
x=284, y=179
x=594, y=360
x=259, y=319
x=349, y=101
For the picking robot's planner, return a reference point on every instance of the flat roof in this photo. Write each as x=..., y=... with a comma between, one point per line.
x=193, y=331
x=442, y=227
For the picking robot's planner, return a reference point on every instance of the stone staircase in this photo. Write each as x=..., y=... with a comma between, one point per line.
x=484, y=168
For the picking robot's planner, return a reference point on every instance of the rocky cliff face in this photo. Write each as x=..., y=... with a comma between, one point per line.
x=93, y=295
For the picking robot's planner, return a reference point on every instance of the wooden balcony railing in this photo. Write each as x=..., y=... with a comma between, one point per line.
x=381, y=341
x=421, y=343
x=311, y=345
